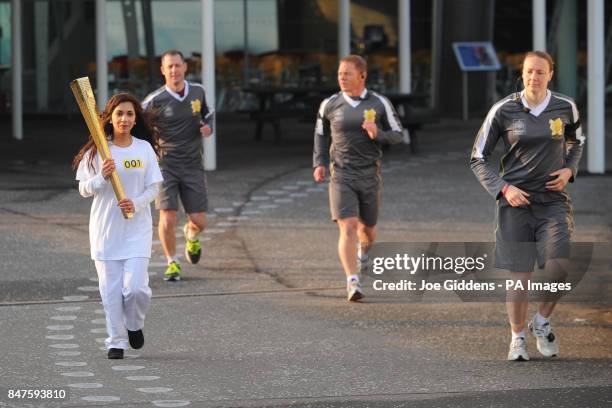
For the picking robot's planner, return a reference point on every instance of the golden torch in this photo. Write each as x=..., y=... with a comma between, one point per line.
x=81, y=88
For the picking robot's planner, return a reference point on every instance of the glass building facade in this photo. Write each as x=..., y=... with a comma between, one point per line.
x=267, y=42
x=279, y=42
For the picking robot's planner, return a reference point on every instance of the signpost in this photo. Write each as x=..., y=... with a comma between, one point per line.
x=474, y=56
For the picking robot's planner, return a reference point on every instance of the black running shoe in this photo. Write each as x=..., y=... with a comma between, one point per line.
x=115, y=354
x=136, y=339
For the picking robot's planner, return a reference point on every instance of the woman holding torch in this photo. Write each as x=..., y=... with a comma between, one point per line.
x=121, y=247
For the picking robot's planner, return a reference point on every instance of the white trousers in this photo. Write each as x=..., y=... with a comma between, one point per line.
x=126, y=296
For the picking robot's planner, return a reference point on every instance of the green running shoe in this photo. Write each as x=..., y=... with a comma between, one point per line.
x=193, y=249
x=173, y=272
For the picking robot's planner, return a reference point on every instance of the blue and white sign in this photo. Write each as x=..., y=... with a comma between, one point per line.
x=476, y=56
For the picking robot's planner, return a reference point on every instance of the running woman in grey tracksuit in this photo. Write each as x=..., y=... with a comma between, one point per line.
x=542, y=145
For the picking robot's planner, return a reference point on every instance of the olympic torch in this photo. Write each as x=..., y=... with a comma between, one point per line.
x=81, y=88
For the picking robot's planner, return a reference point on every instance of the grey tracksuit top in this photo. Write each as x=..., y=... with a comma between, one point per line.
x=352, y=154
x=535, y=144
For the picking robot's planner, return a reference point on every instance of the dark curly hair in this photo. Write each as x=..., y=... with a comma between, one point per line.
x=144, y=129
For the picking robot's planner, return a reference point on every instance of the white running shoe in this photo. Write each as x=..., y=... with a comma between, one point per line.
x=354, y=290
x=517, y=350
x=548, y=345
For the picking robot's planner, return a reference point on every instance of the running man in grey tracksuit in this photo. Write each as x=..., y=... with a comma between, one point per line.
x=542, y=142
x=184, y=118
x=356, y=121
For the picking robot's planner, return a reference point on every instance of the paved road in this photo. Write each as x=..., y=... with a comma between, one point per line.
x=262, y=320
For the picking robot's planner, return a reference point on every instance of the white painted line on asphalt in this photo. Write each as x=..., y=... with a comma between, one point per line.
x=314, y=190
x=66, y=353
x=251, y=212
x=210, y=215
x=68, y=308
x=99, y=312
x=214, y=231
x=225, y=224
x=98, y=321
x=101, y=398
x=94, y=279
x=86, y=385
x=63, y=318
x=101, y=340
x=58, y=327
x=158, y=264
x=170, y=403
x=64, y=345
x=71, y=363
x=276, y=192
x=142, y=378
x=224, y=210
x=75, y=298
x=237, y=203
x=60, y=337
x=152, y=273
x=260, y=198
x=78, y=374
x=204, y=239
x=283, y=200
x=101, y=330
x=268, y=206
x=296, y=195
x=238, y=218
x=88, y=288
x=304, y=182
x=154, y=390
x=127, y=368
x=290, y=187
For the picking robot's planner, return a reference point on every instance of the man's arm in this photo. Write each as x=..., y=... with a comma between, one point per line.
x=322, y=135
x=391, y=132
x=208, y=114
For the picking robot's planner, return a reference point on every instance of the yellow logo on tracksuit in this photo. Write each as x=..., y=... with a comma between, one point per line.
x=556, y=128
x=196, y=106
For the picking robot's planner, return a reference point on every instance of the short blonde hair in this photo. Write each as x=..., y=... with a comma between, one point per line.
x=359, y=62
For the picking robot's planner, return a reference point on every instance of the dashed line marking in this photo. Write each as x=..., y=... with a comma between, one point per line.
x=142, y=377
x=64, y=345
x=170, y=403
x=66, y=353
x=86, y=385
x=60, y=337
x=68, y=308
x=127, y=368
x=64, y=318
x=76, y=298
x=101, y=398
x=88, y=288
x=71, y=363
x=78, y=374
x=154, y=390
x=98, y=321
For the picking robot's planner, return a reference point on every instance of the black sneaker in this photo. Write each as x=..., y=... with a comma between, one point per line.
x=136, y=339
x=115, y=354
